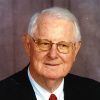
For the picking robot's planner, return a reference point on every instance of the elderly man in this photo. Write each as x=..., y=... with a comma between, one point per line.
x=52, y=43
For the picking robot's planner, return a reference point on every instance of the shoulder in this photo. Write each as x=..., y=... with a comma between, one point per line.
x=12, y=80
x=81, y=86
x=81, y=81
x=79, y=78
x=11, y=86
x=15, y=77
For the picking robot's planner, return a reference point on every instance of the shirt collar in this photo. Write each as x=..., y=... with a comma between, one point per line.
x=43, y=94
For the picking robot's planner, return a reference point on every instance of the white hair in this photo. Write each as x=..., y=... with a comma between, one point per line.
x=57, y=12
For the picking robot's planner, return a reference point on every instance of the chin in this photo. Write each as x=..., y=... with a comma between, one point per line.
x=54, y=77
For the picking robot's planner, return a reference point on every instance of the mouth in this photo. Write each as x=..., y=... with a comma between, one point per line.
x=51, y=64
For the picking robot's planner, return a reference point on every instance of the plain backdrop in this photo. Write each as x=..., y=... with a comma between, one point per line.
x=14, y=19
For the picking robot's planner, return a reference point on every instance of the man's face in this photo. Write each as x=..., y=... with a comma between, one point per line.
x=52, y=64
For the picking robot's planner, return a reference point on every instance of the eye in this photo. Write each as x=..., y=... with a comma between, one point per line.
x=43, y=43
x=63, y=45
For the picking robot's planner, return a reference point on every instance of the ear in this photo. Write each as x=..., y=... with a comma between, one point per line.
x=77, y=48
x=26, y=42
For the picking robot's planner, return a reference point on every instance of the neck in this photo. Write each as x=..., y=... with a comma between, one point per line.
x=49, y=84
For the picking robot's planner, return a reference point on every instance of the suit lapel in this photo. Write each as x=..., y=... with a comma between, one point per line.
x=26, y=90
x=67, y=90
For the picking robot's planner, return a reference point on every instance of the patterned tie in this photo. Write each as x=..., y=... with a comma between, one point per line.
x=52, y=97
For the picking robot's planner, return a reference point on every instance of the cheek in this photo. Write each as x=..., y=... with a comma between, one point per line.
x=37, y=58
x=36, y=62
x=68, y=62
x=68, y=59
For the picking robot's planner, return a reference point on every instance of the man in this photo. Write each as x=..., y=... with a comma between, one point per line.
x=52, y=43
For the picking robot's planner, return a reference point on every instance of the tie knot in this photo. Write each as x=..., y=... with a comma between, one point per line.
x=52, y=97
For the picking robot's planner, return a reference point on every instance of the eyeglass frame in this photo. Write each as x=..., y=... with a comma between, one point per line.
x=51, y=43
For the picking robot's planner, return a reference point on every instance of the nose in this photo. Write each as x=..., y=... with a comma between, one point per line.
x=53, y=52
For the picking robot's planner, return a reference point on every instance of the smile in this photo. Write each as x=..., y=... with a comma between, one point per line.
x=49, y=64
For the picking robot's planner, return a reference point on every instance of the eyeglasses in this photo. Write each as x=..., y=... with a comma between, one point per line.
x=62, y=46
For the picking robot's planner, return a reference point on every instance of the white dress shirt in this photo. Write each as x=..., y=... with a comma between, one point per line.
x=42, y=94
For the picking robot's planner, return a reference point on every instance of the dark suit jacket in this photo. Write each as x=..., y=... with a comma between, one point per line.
x=18, y=87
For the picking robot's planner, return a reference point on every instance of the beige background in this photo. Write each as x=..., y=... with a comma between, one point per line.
x=14, y=18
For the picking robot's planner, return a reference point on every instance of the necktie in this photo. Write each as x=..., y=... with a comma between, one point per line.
x=52, y=97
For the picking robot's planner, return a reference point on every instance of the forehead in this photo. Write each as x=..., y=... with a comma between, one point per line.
x=54, y=28
x=48, y=19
